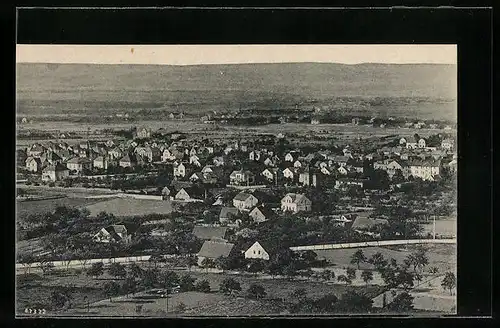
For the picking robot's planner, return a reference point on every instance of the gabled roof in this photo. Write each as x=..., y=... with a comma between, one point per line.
x=58, y=168
x=242, y=196
x=207, y=232
x=226, y=212
x=266, y=211
x=367, y=223
x=296, y=197
x=215, y=249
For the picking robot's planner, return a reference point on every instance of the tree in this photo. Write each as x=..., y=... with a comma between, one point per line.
x=207, y=263
x=351, y=273
x=96, y=270
x=202, y=286
x=352, y=301
x=417, y=259
x=290, y=270
x=66, y=258
x=309, y=256
x=129, y=285
x=343, y=278
x=111, y=288
x=60, y=297
x=180, y=308
x=229, y=285
x=358, y=257
x=221, y=263
x=403, y=302
x=299, y=293
x=367, y=276
x=155, y=259
x=135, y=270
x=256, y=291
x=378, y=261
x=326, y=303
x=27, y=262
x=449, y=281
x=187, y=283
x=168, y=279
x=117, y=270
x=46, y=266
x=150, y=278
x=327, y=275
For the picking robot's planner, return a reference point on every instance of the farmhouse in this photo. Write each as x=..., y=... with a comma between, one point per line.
x=448, y=144
x=126, y=161
x=227, y=214
x=79, y=164
x=55, y=172
x=101, y=162
x=257, y=251
x=190, y=194
x=33, y=164
x=260, y=214
x=238, y=178
x=209, y=232
x=295, y=203
x=425, y=169
x=212, y=249
x=244, y=201
x=116, y=233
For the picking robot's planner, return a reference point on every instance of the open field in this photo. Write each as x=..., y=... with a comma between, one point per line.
x=197, y=303
x=441, y=256
x=443, y=227
x=41, y=206
x=130, y=207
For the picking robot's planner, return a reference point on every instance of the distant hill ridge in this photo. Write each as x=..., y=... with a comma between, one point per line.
x=317, y=80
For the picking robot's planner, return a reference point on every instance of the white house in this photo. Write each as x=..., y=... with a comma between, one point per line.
x=256, y=251
x=244, y=201
x=55, y=172
x=425, y=169
x=114, y=233
x=296, y=203
x=447, y=144
x=421, y=143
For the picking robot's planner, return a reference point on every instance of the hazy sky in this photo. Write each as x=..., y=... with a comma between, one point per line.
x=232, y=54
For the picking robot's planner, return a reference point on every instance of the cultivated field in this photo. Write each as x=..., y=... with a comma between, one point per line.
x=42, y=206
x=441, y=256
x=130, y=207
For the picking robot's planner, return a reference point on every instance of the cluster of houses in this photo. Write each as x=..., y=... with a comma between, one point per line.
x=207, y=163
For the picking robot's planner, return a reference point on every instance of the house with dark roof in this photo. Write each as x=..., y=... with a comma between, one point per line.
x=363, y=223
x=227, y=214
x=116, y=233
x=212, y=249
x=79, y=164
x=127, y=161
x=244, y=201
x=210, y=232
x=55, y=172
x=260, y=214
x=295, y=203
x=34, y=164
x=190, y=194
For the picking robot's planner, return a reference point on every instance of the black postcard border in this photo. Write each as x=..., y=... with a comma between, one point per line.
x=470, y=28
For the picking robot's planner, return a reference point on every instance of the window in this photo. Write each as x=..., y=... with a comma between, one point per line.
x=259, y=252
x=254, y=252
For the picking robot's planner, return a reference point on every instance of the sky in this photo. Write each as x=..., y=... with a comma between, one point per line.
x=235, y=54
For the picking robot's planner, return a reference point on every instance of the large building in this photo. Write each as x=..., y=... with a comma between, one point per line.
x=295, y=203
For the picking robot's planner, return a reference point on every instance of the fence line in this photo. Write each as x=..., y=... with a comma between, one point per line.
x=80, y=262
x=374, y=244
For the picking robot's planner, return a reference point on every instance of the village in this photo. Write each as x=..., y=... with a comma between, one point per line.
x=235, y=206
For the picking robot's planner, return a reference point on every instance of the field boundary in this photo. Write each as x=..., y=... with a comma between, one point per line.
x=374, y=243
